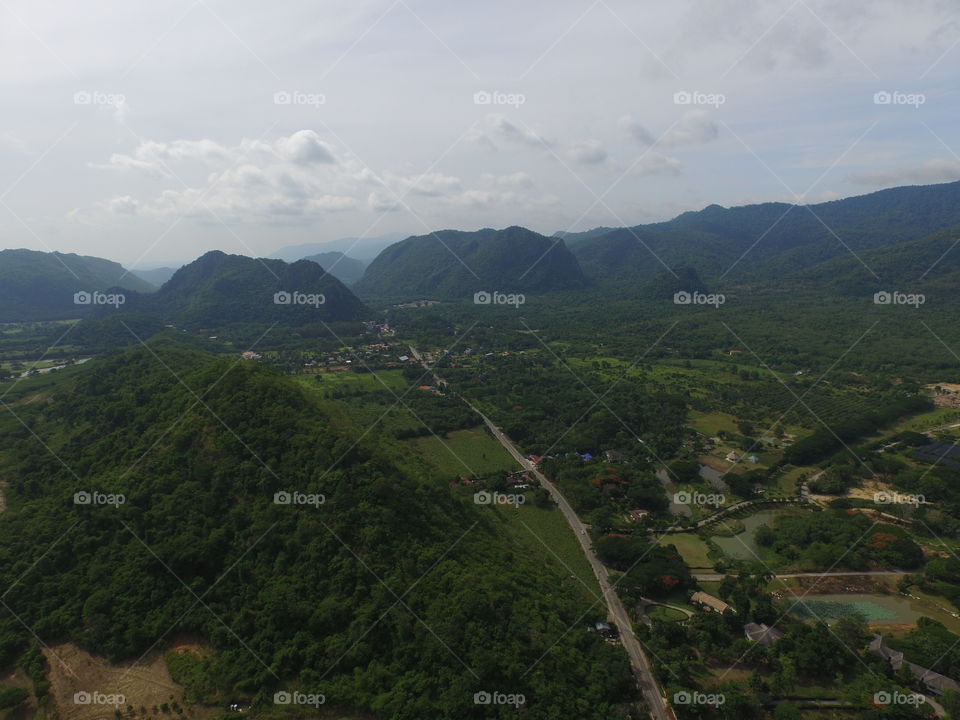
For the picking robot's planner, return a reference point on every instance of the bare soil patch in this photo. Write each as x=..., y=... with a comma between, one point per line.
x=146, y=684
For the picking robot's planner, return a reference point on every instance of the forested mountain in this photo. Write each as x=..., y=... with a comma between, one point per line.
x=767, y=242
x=388, y=594
x=219, y=289
x=343, y=267
x=41, y=285
x=451, y=264
x=931, y=264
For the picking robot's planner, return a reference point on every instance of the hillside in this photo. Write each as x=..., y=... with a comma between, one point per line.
x=41, y=286
x=391, y=596
x=450, y=264
x=771, y=240
x=219, y=289
x=343, y=267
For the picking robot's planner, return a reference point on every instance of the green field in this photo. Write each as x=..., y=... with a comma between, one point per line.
x=349, y=381
x=711, y=423
x=464, y=452
x=666, y=614
x=691, y=547
x=546, y=532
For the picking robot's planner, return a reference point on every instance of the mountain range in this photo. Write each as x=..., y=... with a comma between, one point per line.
x=450, y=264
x=771, y=242
x=901, y=237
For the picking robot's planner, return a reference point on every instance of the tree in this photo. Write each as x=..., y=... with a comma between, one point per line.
x=786, y=711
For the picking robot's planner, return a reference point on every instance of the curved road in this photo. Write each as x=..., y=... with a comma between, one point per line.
x=659, y=709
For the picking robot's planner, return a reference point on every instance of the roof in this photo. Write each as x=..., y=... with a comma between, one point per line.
x=702, y=598
x=762, y=633
x=934, y=680
x=930, y=678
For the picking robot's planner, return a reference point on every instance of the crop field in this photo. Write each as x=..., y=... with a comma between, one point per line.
x=464, y=452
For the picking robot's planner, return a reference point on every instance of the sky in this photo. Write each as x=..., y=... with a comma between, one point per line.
x=149, y=133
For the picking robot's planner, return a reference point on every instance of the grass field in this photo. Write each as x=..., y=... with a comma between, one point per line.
x=464, y=452
x=691, y=547
x=546, y=532
x=711, y=423
x=353, y=381
x=665, y=614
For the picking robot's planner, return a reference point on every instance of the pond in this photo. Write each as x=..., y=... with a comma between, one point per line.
x=875, y=608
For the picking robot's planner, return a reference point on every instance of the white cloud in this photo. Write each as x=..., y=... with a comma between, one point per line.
x=935, y=170
x=635, y=130
x=693, y=127
x=304, y=148
x=497, y=126
x=588, y=152
x=655, y=163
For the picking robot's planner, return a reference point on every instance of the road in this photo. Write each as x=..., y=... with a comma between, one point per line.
x=659, y=709
x=718, y=577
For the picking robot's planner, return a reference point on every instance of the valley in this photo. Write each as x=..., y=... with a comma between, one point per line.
x=598, y=498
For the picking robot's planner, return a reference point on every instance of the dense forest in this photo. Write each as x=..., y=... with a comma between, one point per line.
x=390, y=596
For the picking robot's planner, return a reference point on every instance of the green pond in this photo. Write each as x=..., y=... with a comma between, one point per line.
x=875, y=608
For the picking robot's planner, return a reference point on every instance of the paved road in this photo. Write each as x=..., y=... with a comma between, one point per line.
x=659, y=709
x=719, y=577
x=641, y=666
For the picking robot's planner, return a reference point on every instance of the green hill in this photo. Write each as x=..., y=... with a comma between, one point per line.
x=219, y=289
x=41, y=285
x=392, y=596
x=450, y=264
x=770, y=241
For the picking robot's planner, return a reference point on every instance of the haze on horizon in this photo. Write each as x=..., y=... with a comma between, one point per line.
x=148, y=134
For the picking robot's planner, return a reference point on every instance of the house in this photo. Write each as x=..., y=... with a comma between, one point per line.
x=403, y=358
x=762, y=634
x=753, y=459
x=607, y=630
x=932, y=681
x=710, y=603
x=733, y=457
x=637, y=515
